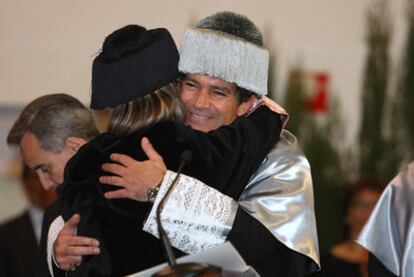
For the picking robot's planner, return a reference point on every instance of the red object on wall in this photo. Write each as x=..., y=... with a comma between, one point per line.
x=318, y=102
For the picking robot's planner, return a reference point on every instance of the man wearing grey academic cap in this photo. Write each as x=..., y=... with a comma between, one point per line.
x=272, y=225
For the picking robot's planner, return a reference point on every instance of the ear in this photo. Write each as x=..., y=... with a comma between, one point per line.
x=245, y=106
x=72, y=144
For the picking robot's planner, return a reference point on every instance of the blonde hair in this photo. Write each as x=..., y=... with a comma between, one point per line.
x=162, y=104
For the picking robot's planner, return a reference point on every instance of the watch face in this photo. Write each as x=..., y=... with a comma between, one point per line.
x=152, y=194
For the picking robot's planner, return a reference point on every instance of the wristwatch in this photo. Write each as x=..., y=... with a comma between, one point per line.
x=152, y=194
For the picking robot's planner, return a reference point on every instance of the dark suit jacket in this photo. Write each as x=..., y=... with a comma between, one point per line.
x=18, y=247
x=50, y=214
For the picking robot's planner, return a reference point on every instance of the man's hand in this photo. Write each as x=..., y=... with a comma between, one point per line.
x=133, y=177
x=68, y=248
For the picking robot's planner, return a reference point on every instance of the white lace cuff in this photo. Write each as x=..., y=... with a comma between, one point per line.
x=195, y=216
x=54, y=230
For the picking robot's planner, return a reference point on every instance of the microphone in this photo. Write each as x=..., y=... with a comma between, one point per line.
x=185, y=158
x=185, y=269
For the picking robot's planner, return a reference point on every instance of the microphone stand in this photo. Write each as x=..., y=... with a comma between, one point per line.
x=185, y=269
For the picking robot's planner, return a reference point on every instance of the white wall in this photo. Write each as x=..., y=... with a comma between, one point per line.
x=47, y=46
x=12, y=198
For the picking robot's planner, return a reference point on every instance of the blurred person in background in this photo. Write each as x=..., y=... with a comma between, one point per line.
x=348, y=258
x=20, y=236
x=389, y=232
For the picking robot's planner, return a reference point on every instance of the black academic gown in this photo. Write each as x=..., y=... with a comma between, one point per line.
x=377, y=269
x=335, y=266
x=18, y=246
x=261, y=250
x=225, y=159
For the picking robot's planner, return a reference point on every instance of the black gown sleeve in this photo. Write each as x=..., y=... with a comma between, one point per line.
x=261, y=250
x=225, y=158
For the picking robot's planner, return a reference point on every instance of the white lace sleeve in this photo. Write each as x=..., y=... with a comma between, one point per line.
x=54, y=230
x=195, y=216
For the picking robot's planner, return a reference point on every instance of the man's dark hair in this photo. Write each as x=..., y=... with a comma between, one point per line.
x=233, y=24
x=244, y=95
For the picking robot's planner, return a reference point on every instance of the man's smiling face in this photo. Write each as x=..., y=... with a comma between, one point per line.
x=210, y=102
